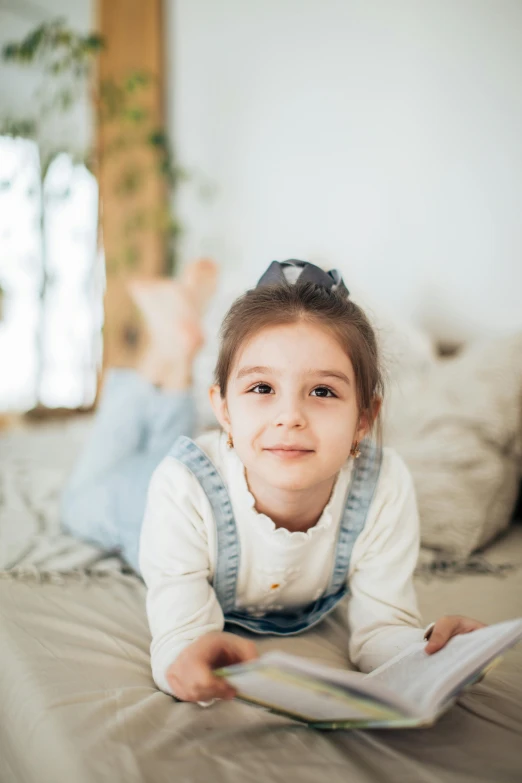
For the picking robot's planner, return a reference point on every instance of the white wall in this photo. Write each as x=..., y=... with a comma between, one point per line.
x=382, y=137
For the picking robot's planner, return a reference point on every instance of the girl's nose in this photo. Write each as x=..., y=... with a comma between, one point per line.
x=290, y=414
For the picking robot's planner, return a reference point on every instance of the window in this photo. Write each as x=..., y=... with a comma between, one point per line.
x=52, y=277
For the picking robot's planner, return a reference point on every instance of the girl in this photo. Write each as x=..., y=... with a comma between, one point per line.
x=270, y=523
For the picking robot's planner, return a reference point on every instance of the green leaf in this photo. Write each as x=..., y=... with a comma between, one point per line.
x=136, y=114
x=10, y=51
x=94, y=43
x=136, y=80
x=158, y=138
x=22, y=128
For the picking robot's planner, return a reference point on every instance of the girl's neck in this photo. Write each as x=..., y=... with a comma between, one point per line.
x=294, y=510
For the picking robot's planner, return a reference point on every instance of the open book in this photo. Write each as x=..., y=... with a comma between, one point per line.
x=412, y=689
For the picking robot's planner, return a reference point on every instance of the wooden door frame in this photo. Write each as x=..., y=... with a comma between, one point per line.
x=133, y=31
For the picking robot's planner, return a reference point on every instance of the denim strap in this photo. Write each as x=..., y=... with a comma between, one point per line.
x=365, y=476
x=227, y=539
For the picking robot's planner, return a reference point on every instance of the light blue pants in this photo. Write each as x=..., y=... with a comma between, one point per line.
x=136, y=424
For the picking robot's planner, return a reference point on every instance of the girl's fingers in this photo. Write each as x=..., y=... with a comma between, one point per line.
x=191, y=677
x=218, y=690
x=442, y=631
x=208, y=693
x=241, y=650
x=206, y=686
x=449, y=626
x=226, y=649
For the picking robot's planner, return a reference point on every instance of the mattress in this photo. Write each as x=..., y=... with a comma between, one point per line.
x=78, y=704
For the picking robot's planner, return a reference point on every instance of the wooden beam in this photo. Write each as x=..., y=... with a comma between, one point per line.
x=132, y=193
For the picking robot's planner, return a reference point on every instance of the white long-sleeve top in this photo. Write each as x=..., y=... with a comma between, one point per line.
x=278, y=568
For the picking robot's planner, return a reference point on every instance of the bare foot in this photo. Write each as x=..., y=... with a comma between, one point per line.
x=200, y=280
x=172, y=314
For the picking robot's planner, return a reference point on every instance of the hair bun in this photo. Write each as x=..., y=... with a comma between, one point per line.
x=292, y=270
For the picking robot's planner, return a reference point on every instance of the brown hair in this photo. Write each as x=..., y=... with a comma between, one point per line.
x=286, y=303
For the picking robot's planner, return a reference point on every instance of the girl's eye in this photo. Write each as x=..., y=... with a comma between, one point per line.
x=264, y=388
x=322, y=389
x=260, y=386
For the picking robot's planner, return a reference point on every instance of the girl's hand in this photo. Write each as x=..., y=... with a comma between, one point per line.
x=191, y=676
x=448, y=626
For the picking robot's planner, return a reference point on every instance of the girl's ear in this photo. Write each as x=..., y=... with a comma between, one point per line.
x=219, y=406
x=367, y=418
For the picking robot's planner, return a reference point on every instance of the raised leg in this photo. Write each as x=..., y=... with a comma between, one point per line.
x=141, y=413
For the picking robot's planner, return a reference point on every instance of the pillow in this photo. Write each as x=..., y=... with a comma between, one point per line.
x=458, y=426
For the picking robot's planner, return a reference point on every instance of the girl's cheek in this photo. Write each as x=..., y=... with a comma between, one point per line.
x=254, y=402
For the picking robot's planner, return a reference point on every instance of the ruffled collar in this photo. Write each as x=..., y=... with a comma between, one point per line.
x=331, y=512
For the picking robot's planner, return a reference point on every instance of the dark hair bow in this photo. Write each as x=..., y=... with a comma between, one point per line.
x=310, y=273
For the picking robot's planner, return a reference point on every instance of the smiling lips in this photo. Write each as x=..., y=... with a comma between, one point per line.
x=288, y=452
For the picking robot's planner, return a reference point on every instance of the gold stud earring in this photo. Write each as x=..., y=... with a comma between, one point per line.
x=230, y=442
x=355, y=450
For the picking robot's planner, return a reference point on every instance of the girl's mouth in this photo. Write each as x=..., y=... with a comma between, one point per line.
x=284, y=453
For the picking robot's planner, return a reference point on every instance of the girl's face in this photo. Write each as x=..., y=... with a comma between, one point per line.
x=291, y=406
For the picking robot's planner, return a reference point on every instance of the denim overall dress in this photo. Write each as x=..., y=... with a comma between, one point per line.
x=365, y=475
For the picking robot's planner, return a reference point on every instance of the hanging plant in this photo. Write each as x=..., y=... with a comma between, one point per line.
x=67, y=63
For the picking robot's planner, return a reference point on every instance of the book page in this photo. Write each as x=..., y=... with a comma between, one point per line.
x=302, y=697
x=353, y=683
x=429, y=680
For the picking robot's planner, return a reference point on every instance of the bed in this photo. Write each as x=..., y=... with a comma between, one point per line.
x=78, y=703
